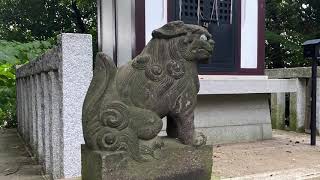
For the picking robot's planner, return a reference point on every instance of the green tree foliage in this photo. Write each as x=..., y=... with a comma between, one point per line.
x=29, y=20
x=12, y=54
x=27, y=29
x=288, y=24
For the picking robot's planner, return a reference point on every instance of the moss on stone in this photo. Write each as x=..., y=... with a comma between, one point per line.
x=293, y=121
x=277, y=118
x=301, y=129
x=293, y=112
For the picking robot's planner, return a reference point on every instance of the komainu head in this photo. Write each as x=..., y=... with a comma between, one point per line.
x=194, y=42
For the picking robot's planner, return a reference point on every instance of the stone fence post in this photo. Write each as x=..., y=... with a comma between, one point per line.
x=50, y=94
x=278, y=103
x=299, y=106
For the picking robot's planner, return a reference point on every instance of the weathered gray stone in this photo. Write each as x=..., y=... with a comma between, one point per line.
x=232, y=110
x=308, y=107
x=124, y=107
x=50, y=105
x=278, y=101
x=299, y=99
x=75, y=75
x=174, y=162
x=288, y=73
x=19, y=104
x=29, y=101
x=56, y=126
x=233, y=118
x=301, y=103
x=33, y=112
x=246, y=86
x=161, y=81
x=39, y=119
x=45, y=63
x=298, y=106
x=25, y=111
x=21, y=108
x=46, y=123
x=236, y=134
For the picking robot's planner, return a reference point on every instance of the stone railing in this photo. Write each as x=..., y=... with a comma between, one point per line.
x=294, y=106
x=50, y=94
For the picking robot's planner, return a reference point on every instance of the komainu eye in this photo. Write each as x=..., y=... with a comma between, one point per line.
x=203, y=37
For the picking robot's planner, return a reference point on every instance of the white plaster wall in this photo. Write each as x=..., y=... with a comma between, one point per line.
x=105, y=27
x=155, y=16
x=249, y=33
x=124, y=27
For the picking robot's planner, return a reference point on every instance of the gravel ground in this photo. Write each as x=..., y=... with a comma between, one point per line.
x=287, y=156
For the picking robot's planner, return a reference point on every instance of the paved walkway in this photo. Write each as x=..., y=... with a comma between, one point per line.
x=287, y=156
x=15, y=161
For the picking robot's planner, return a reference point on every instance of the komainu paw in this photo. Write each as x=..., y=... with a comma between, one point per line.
x=199, y=139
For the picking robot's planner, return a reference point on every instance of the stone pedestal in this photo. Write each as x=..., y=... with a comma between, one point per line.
x=174, y=162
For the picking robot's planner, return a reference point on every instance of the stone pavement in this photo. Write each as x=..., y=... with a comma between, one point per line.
x=15, y=160
x=287, y=156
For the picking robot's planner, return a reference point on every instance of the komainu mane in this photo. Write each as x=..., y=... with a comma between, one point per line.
x=124, y=106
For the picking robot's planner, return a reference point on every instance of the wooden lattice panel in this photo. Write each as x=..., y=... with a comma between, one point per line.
x=222, y=24
x=224, y=11
x=189, y=10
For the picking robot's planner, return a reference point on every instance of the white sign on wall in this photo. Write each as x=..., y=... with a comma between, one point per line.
x=249, y=33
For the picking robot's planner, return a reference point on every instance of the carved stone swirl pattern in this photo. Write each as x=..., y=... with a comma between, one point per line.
x=115, y=116
x=175, y=69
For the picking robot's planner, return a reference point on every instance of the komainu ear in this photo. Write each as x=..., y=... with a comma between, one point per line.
x=170, y=30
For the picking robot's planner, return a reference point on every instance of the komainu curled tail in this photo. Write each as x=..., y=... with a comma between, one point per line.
x=103, y=76
x=113, y=124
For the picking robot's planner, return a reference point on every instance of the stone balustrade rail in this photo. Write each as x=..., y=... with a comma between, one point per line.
x=50, y=94
x=294, y=107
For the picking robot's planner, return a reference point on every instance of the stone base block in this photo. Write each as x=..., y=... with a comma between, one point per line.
x=232, y=118
x=174, y=162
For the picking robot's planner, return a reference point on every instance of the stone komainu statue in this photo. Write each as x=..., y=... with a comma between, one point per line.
x=124, y=106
